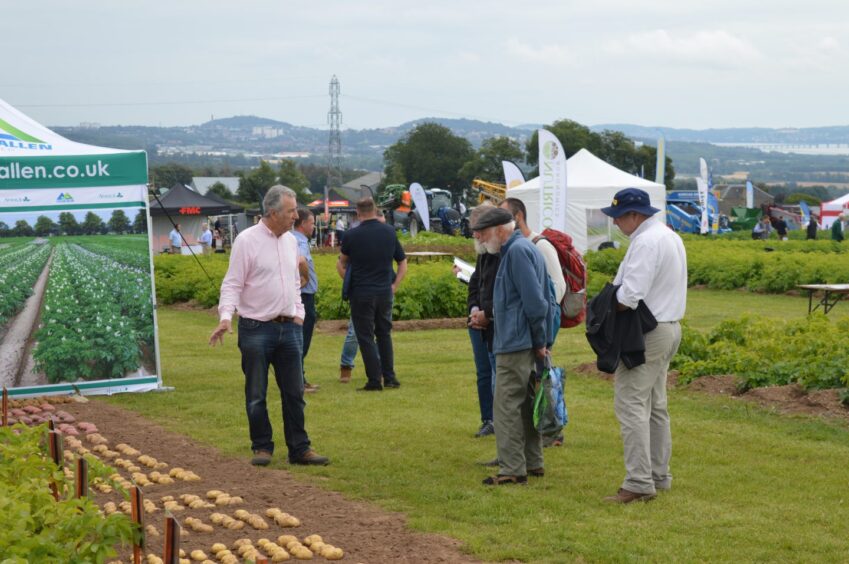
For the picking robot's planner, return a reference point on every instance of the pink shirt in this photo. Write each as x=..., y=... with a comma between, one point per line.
x=262, y=281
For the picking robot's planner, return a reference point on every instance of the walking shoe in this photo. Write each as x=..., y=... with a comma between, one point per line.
x=370, y=388
x=345, y=374
x=391, y=383
x=487, y=428
x=310, y=388
x=261, y=458
x=311, y=458
x=623, y=496
x=503, y=480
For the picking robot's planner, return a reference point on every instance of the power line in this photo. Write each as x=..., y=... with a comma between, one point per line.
x=168, y=103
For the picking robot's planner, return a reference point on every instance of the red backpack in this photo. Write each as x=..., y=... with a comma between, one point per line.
x=573, y=306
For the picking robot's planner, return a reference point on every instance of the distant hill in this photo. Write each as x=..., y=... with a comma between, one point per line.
x=802, y=136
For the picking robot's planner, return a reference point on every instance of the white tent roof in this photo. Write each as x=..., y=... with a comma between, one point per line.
x=830, y=211
x=591, y=185
x=837, y=203
x=22, y=136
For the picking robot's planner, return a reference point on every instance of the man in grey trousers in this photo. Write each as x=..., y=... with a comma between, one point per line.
x=653, y=270
x=523, y=312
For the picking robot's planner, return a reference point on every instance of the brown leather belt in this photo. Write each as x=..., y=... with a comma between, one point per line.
x=283, y=319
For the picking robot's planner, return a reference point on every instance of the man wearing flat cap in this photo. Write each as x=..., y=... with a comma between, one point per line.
x=523, y=311
x=654, y=271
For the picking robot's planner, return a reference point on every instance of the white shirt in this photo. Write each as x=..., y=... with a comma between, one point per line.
x=552, y=265
x=654, y=270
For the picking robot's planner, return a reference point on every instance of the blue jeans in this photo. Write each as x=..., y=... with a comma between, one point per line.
x=309, y=325
x=372, y=318
x=265, y=343
x=484, y=371
x=350, y=348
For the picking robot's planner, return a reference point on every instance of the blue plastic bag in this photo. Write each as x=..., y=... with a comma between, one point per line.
x=550, y=414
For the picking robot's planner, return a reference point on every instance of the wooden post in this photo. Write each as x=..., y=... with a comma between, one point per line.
x=137, y=500
x=171, y=554
x=54, y=443
x=82, y=478
x=5, y=420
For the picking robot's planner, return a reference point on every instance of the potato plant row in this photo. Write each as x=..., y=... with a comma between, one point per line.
x=96, y=314
x=127, y=256
x=19, y=270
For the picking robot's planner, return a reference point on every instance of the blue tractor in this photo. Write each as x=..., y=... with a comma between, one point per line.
x=684, y=213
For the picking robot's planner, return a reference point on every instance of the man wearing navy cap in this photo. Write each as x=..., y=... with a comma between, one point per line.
x=653, y=270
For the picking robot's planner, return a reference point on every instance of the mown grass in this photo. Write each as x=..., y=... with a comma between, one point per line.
x=749, y=485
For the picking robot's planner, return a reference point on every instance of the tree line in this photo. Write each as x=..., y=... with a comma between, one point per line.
x=92, y=224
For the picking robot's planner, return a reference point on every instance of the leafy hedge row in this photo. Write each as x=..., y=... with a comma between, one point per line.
x=759, y=266
x=36, y=528
x=812, y=352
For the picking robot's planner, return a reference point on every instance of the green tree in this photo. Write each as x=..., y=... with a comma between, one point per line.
x=92, y=224
x=293, y=178
x=119, y=222
x=45, y=226
x=140, y=222
x=254, y=185
x=571, y=134
x=22, y=229
x=220, y=190
x=68, y=224
x=486, y=161
x=4, y=230
x=165, y=176
x=431, y=155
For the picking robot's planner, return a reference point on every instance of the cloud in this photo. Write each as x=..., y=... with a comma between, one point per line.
x=549, y=54
x=713, y=47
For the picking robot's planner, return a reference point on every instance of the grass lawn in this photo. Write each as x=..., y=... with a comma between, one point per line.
x=749, y=485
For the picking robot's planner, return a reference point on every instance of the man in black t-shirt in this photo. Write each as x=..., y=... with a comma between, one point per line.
x=368, y=250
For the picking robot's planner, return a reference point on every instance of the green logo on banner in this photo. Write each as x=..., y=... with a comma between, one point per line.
x=550, y=150
x=11, y=136
x=65, y=198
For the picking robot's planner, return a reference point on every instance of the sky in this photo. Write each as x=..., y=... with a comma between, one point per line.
x=688, y=64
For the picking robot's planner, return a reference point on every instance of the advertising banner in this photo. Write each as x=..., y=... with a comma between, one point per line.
x=704, y=226
x=552, y=174
x=750, y=195
x=76, y=276
x=512, y=174
x=660, y=166
x=420, y=201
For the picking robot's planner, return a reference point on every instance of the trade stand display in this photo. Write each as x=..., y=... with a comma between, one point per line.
x=186, y=207
x=76, y=276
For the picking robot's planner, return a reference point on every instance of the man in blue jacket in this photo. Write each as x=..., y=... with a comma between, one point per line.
x=523, y=311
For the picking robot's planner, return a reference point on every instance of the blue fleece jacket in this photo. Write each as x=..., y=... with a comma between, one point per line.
x=523, y=304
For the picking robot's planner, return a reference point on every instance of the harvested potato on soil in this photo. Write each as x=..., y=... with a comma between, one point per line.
x=198, y=555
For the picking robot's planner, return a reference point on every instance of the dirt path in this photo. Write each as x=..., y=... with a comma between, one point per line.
x=366, y=533
x=13, y=350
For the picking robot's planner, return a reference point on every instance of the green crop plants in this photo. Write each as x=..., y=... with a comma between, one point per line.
x=812, y=352
x=97, y=313
x=20, y=267
x=34, y=527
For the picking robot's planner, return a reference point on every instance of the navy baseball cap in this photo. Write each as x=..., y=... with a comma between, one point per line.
x=630, y=200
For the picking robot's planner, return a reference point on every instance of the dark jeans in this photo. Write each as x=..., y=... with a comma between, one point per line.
x=265, y=343
x=372, y=317
x=309, y=325
x=484, y=371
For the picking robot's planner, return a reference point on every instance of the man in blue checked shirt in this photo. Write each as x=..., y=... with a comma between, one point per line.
x=304, y=227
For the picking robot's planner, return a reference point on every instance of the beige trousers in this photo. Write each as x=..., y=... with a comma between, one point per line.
x=640, y=405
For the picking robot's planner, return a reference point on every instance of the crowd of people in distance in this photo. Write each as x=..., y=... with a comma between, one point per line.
x=513, y=322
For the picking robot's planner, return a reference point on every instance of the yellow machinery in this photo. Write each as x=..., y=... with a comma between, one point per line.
x=491, y=191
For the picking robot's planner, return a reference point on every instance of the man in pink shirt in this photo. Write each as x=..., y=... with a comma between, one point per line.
x=263, y=285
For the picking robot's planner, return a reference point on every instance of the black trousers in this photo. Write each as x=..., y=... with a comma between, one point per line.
x=309, y=324
x=372, y=318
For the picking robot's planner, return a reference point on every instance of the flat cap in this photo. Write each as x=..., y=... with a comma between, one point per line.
x=491, y=218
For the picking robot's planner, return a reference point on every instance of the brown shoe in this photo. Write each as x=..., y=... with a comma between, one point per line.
x=345, y=374
x=261, y=458
x=311, y=458
x=310, y=388
x=623, y=496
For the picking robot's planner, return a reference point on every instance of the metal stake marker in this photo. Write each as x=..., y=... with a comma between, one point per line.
x=171, y=554
x=54, y=443
x=82, y=478
x=137, y=500
x=5, y=406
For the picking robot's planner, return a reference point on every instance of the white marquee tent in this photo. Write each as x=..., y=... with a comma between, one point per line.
x=830, y=211
x=591, y=184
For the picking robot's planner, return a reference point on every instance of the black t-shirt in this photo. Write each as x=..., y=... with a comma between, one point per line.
x=371, y=247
